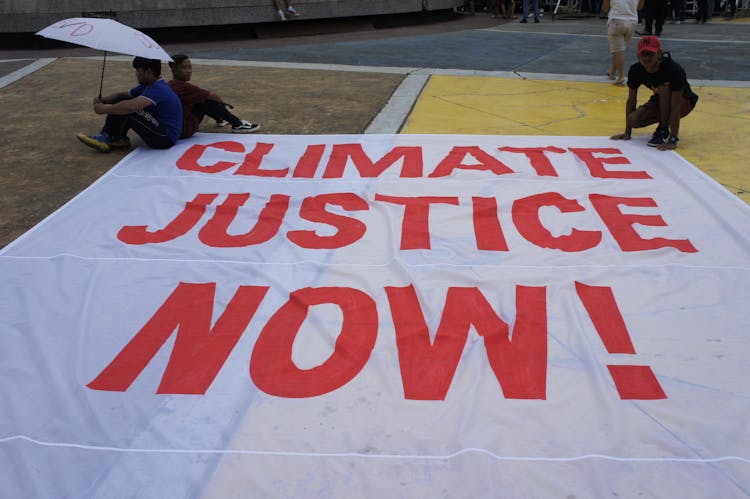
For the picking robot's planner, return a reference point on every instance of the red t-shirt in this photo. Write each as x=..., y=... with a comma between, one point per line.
x=189, y=95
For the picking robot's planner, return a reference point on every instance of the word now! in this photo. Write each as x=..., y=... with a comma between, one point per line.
x=518, y=361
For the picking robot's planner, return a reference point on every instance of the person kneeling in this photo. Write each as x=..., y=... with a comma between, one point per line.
x=672, y=97
x=152, y=110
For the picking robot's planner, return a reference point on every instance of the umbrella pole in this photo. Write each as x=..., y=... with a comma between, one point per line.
x=101, y=82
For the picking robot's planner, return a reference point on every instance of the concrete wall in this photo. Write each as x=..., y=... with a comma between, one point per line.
x=25, y=16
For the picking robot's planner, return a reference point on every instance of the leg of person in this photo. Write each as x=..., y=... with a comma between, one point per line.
x=681, y=5
x=290, y=10
x=686, y=107
x=644, y=115
x=536, y=11
x=619, y=62
x=659, y=15
x=110, y=137
x=525, y=11
x=279, y=9
x=612, y=40
x=219, y=112
x=148, y=128
x=627, y=30
x=648, y=20
x=652, y=112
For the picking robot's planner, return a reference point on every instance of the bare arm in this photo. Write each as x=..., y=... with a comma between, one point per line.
x=123, y=107
x=116, y=97
x=675, y=99
x=665, y=104
x=629, y=108
x=674, y=113
x=605, y=6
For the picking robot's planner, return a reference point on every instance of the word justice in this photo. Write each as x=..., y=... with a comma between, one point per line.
x=518, y=360
x=415, y=225
x=596, y=161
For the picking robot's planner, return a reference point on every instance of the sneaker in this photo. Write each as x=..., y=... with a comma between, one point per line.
x=246, y=127
x=536, y=19
x=221, y=123
x=659, y=137
x=523, y=21
x=281, y=15
x=290, y=11
x=98, y=142
x=122, y=143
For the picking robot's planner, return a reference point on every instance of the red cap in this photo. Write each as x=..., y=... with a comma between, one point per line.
x=649, y=44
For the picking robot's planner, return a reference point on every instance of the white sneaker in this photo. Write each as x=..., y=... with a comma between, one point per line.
x=281, y=15
x=221, y=123
x=246, y=127
x=290, y=10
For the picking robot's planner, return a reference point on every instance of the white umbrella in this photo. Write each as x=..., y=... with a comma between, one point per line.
x=107, y=35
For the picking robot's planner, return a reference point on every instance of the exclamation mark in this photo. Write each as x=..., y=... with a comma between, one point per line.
x=632, y=382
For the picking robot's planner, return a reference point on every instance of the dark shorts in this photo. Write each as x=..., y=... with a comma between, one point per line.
x=649, y=113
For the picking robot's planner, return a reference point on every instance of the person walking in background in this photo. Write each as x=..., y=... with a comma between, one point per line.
x=730, y=8
x=703, y=14
x=676, y=11
x=622, y=20
x=524, y=19
x=286, y=10
x=655, y=12
x=505, y=7
x=198, y=102
x=672, y=98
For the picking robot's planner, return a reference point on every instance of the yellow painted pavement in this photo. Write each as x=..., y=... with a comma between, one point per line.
x=715, y=137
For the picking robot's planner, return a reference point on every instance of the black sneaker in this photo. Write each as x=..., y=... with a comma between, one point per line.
x=246, y=127
x=659, y=137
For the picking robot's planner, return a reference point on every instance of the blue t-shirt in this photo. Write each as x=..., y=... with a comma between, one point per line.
x=166, y=108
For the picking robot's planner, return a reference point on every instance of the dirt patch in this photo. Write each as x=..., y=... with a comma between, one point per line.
x=44, y=166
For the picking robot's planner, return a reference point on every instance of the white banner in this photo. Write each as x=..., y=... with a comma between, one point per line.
x=381, y=316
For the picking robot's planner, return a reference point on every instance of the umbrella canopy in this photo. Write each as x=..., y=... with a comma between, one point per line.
x=107, y=35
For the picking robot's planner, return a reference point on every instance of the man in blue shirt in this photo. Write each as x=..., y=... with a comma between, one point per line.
x=152, y=110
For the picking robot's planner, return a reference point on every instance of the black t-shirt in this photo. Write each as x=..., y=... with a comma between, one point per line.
x=669, y=73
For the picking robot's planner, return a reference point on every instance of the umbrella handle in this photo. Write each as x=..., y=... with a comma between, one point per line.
x=101, y=82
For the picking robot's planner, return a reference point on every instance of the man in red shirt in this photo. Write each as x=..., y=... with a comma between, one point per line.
x=198, y=102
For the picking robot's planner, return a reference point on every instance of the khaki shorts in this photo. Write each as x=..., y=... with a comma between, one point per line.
x=619, y=33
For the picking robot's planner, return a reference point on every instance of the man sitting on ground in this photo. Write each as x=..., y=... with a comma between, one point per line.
x=152, y=110
x=672, y=100
x=198, y=102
